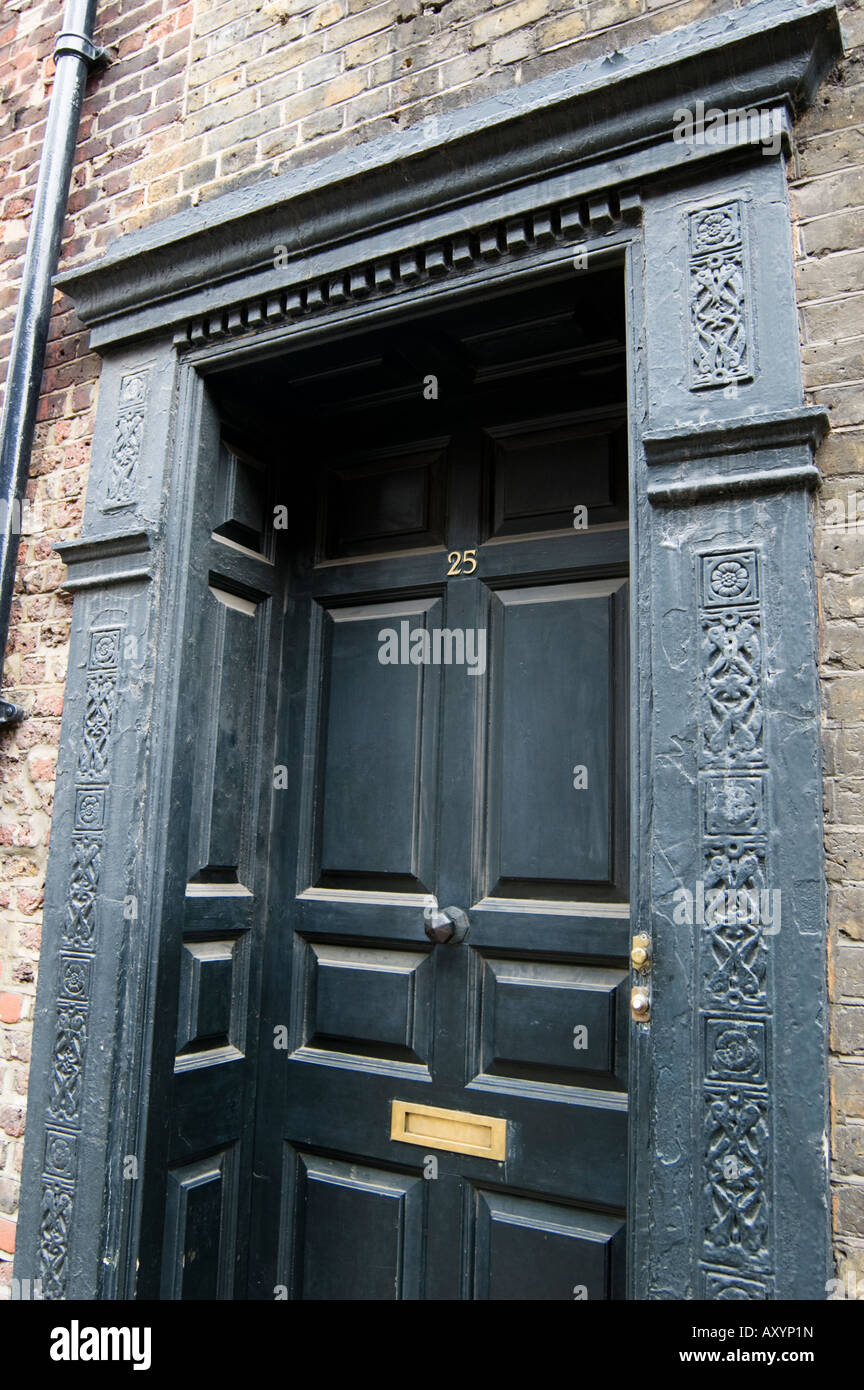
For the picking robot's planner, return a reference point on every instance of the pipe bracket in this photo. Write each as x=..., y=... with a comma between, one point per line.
x=10, y=714
x=81, y=47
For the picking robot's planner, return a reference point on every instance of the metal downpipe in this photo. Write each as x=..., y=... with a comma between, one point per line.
x=74, y=54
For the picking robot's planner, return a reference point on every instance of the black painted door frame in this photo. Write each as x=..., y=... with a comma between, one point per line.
x=728, y=1191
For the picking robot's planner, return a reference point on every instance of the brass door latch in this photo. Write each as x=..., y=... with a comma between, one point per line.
x=640, y=953
x=640, y=995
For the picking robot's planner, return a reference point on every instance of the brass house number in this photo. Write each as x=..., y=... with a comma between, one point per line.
x=462, y=561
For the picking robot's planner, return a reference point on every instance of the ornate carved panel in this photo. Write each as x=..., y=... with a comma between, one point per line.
x=721, y=335
x=128, y=437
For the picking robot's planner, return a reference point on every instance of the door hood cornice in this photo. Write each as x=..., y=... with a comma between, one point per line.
x=602, y=124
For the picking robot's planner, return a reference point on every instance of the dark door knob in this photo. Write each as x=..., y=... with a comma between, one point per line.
x=445, y=926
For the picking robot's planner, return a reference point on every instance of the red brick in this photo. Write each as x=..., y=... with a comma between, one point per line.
x=7, y=1235
x=12, y=1120
x=10, y=1008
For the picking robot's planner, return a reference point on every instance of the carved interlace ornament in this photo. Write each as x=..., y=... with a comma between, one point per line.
x=79, y=943
x=733, y=947
x=720, y=330
x=128, y=438
x=737, y=1144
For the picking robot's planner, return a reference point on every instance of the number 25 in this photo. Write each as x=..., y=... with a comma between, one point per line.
x=462, y=561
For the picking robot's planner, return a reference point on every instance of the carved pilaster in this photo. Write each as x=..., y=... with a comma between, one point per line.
x=733, y=925
x=79, y=942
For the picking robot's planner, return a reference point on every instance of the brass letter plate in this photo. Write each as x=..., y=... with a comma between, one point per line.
x=454, y=1130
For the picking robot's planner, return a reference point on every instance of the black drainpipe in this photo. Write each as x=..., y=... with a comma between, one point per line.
x=74, y=53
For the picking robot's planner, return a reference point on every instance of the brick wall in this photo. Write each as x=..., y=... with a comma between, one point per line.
x=827, y=181
x=207, y=95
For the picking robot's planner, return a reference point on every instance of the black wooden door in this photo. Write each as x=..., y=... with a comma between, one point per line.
x=449, y=1121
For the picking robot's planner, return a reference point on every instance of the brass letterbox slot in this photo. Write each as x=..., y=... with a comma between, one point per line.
x=485, y=1136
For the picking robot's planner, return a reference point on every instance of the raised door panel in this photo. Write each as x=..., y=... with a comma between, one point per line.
x=357, y=1230
x=388, y=501
x=554, y=1022
x=200, y=1228
x=369, y=1001
x=534, y=1250
x=540, y=475
x=225, y=768
x=554, y=769
x=377, y=734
